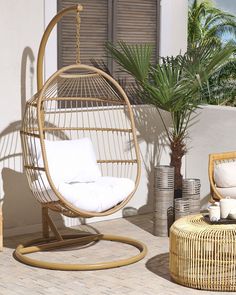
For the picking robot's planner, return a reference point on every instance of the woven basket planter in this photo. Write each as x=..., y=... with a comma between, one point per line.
x=203, y=255
x=164, y=198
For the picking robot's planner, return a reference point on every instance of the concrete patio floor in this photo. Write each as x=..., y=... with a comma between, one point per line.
x=147, y=277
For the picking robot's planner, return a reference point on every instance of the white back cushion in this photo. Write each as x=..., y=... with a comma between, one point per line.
x=225, y=174
x=70, y=160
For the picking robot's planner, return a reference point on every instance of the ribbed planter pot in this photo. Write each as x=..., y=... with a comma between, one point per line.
x=164, y=200
x=182, y=207
x=191, y=191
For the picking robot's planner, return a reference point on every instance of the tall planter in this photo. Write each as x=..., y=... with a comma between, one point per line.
x=164, y=200
x=191, y=191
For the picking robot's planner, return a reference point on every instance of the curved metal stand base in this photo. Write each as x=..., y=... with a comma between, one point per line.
x=44, y=244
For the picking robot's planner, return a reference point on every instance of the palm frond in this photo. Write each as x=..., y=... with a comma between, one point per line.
x=205, y=22
x=134, y=59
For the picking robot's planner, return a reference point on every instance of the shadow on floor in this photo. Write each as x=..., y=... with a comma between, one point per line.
x=13, y=242
x=144, y=221
x=159, y=265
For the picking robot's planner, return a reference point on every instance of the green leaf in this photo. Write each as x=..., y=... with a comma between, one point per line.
x=134, y=59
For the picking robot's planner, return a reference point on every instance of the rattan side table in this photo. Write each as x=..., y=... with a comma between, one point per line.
x=203, y=255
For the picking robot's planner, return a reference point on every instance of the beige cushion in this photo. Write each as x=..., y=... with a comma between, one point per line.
x=225, y=174
x=227, y=192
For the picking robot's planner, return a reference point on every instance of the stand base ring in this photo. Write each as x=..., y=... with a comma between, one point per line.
x=68, y=240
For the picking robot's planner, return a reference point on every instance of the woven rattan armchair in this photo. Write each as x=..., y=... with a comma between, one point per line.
x=213, y=160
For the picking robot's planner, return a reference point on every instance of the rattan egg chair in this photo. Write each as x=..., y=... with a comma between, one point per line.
x=78, y=101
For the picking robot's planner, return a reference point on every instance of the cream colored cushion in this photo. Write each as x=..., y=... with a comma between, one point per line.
x=225, y=174
x=227, y=192
x=98, y=196
x=69, y=160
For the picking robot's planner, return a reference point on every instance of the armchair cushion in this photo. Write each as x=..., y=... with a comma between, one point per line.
x=225, y=174
x=227, y=192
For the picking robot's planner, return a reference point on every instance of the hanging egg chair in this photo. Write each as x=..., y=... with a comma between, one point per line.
x=80, y=153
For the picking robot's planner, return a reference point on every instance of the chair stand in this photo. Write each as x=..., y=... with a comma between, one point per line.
x=61, y=241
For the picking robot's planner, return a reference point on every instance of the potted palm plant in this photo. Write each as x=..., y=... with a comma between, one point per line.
x=173, y=85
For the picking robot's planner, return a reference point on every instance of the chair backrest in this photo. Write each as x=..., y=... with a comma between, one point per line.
x=80, y=101
x=215, y=159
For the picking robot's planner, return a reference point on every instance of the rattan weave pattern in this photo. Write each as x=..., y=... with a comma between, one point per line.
x=203, y=255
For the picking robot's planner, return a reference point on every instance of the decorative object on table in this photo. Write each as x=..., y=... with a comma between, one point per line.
x=202, y=255
x=223, y=212
x=214, y=212
x=221, y=170
x=75, y=111
x=226, y=205
x=164, y=200
x=182, y=207
x=191, y=191
x=219, y=221
x=232, y=213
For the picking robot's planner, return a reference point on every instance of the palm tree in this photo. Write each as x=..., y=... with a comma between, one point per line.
x=221, y=88
x=174, y=85
x=206, y=22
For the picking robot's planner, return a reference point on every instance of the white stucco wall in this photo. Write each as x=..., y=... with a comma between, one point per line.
x=21, y=27
x=214, y=132
x=174, y=15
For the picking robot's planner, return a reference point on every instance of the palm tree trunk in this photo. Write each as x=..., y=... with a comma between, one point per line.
x=178, y=150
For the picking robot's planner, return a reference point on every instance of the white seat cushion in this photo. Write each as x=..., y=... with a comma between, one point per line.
x=75, y=174
x=227, y=192
x=69, y=160
x=225, y=174
x=98, y=196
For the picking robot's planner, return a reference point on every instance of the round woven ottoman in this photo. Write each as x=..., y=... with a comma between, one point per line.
x=203, y=255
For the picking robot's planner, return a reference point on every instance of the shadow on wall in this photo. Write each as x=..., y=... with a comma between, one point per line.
x=20, y=208
x=151, y=133
x=204, y=202
x=27, y=54
x=17, y=198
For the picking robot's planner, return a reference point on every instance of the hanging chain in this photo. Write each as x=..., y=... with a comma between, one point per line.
x=78, y=22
